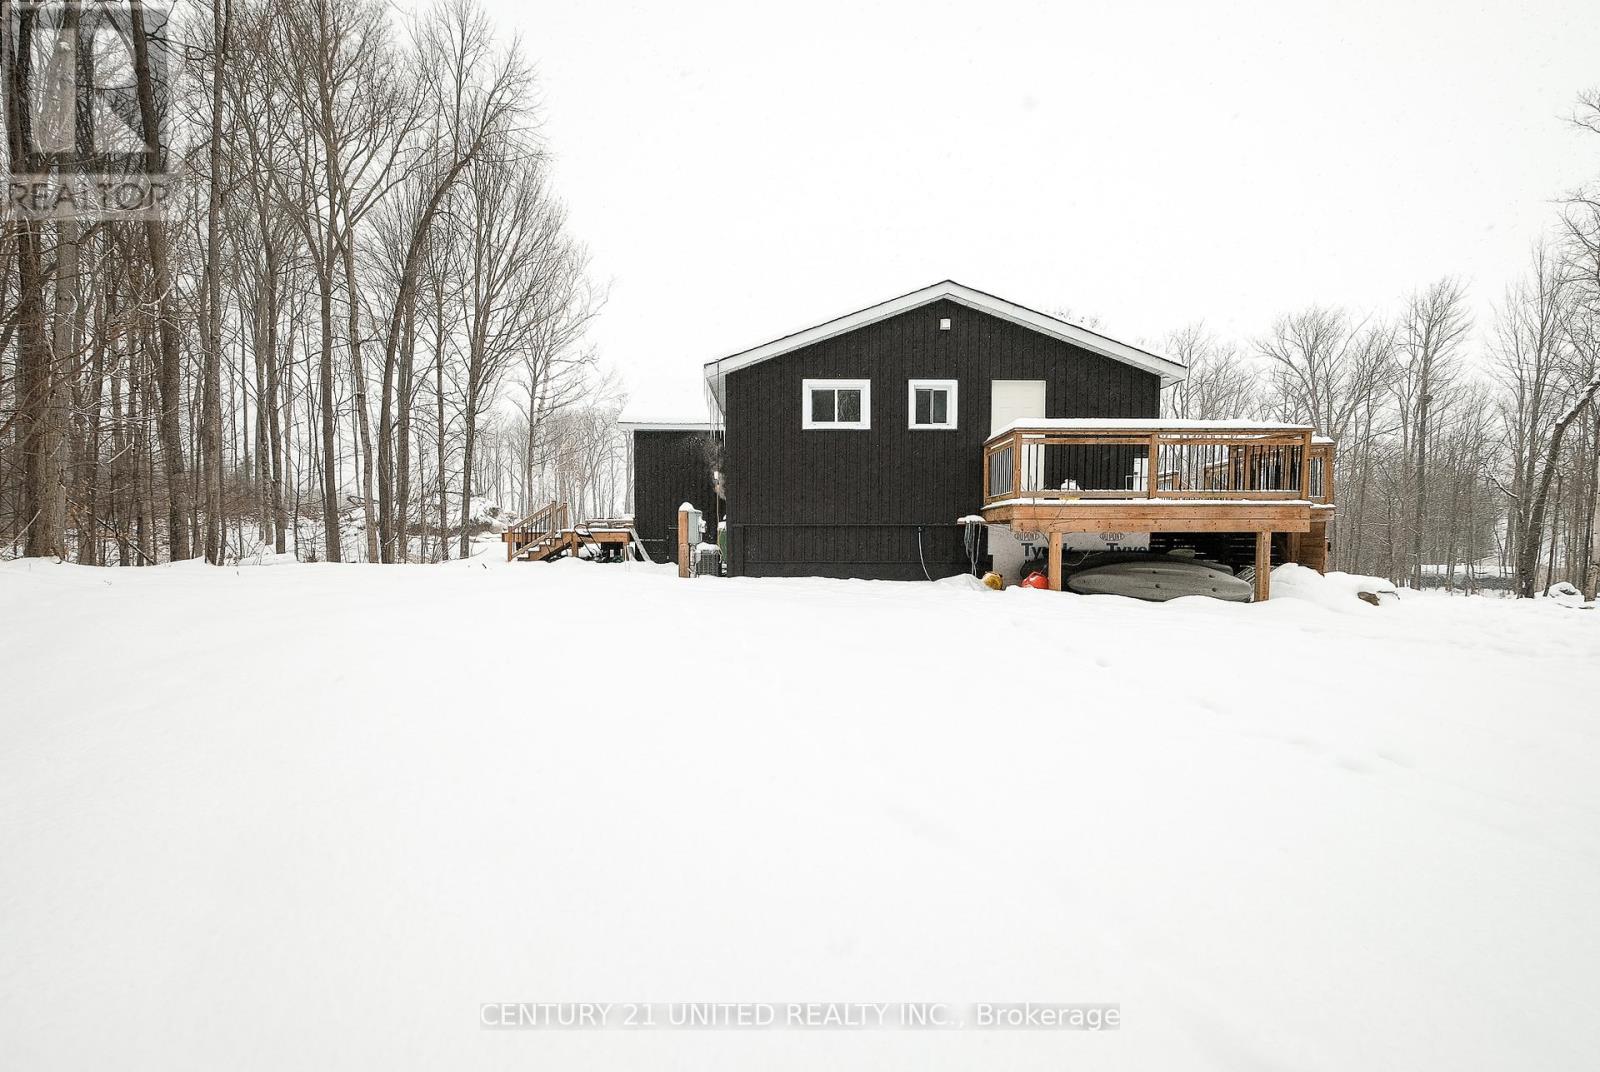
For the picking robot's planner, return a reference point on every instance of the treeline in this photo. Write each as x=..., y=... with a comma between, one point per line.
x=1467, y=455
x=362, y=274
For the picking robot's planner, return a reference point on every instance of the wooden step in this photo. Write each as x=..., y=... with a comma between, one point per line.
x=548, y=547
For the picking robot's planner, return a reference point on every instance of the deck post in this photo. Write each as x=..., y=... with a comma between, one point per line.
x=1263, y=565
x=1016, y=465
x=683, y=543
x=1305, y=465
x=1055, y=560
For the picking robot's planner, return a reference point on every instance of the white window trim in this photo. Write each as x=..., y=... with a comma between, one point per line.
x=950, y=412
x=864, y=386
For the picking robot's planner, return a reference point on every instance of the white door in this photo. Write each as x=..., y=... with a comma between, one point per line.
x=1012, y=400
x=1015, y=400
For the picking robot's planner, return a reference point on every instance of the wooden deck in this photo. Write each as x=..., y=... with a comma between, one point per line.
x=1061, y=476
x=546, y=534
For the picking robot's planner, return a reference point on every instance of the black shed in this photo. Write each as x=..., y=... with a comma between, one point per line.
x=674, y=462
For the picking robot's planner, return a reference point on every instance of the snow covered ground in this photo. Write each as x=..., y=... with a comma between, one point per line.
x=314, y=816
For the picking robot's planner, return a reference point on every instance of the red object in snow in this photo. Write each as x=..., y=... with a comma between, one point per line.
x=1036, y=580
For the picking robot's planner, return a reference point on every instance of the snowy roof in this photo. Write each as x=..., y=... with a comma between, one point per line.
x=1146, y=424
x=637, y=423
x=1169, y=370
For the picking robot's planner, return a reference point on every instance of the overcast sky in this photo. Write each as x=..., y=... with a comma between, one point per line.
x=740, y=170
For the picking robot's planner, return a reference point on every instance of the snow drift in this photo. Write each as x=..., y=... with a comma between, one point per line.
x=266, y=818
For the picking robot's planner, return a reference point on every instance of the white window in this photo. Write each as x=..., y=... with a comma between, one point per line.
x=836, y=403
x=932, y=403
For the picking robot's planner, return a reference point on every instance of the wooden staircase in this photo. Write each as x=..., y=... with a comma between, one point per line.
x=547, y=533
x=540, y=536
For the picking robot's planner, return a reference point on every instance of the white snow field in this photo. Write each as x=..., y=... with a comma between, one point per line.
x=315, y=816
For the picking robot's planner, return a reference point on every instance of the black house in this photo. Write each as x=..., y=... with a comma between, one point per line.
x=852, y=448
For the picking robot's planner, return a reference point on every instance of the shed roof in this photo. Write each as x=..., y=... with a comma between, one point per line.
x=665, y=424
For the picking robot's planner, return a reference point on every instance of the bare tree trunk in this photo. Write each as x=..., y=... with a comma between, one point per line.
x=407, y=392
x=469, y=442
x=170, y=377
x=211, y=423
x=121, y=513
x=330, y=460
x=89, y=465
x=1419, y=488
x=40, y=437
x=280, y=429
x=358, y=400
x=1591, y=561
x=439, y=426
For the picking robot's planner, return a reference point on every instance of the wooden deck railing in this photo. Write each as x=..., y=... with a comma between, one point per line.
x=1065, y=460
x=551, y=517
x=1321, y=487
x=543, y=524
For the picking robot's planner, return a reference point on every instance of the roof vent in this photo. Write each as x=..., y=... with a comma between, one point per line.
x=944, y=324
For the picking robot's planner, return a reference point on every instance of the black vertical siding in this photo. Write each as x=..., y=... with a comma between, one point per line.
x=671, y=468
x=851, y=503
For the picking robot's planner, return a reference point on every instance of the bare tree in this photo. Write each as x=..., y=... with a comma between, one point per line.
x=1530, y=350
x=1221, y=383
x=39, y=401
x=1431, y=333
x=211, y=434
x=1328, y=372
x=516, y=251
x=356, y=109
x=157, y=249
x=480, y=100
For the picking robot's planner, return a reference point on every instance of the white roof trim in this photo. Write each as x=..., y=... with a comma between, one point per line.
x=1169, y=370
x=668, y=425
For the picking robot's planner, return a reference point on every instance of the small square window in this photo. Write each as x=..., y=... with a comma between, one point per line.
x=843, y=404
x=933, y=404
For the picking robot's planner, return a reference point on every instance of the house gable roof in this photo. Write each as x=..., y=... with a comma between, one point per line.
x=1169, y=370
